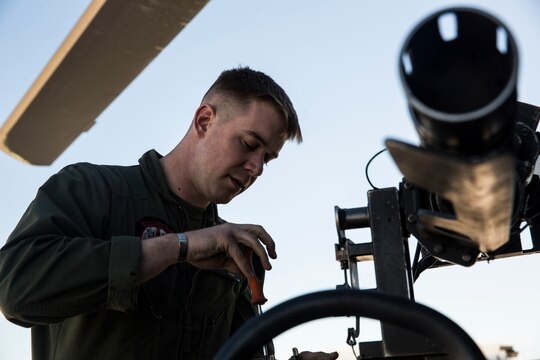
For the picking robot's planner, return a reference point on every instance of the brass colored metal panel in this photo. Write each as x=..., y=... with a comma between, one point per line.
x=481, y=191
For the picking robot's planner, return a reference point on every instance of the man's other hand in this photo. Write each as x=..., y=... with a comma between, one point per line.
x=308, y=355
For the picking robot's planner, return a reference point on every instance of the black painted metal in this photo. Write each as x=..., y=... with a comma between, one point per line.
x=391, y=309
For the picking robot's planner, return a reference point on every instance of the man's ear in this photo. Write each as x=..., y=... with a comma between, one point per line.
x=204, y=118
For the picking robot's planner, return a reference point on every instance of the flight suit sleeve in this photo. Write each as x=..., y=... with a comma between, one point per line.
x=61, y=260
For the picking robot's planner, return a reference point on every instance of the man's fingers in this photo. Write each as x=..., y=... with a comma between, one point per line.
x=249, y=239
x=234, y=252
x=206, y=243
x=263, y=236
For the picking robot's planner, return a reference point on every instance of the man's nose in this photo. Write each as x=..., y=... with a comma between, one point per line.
x=255, y=165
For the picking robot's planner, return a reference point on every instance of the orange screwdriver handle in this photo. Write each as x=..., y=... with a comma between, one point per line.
x=255, y=281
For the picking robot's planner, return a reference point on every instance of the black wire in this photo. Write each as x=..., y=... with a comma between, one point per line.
x=528, y=220
x=416, y=258
x=425, y=263
x=367, y=166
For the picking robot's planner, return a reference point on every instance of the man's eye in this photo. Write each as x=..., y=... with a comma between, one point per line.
x=248, y=145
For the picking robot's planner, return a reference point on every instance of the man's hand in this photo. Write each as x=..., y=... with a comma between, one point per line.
x=218, y=247
x=308, y=355
x=211, y=248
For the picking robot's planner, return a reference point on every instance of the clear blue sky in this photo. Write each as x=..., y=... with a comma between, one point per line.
x=338, y=62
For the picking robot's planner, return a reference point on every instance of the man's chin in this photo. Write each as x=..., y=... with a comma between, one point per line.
x=227, y=198
x=223, y=202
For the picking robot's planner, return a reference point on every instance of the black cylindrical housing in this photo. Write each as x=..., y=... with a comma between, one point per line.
x=459, y=70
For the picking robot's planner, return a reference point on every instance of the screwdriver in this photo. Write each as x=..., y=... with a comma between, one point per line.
x=256, y=282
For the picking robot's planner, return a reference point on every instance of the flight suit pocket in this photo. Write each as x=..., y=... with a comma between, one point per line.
x=211, y=310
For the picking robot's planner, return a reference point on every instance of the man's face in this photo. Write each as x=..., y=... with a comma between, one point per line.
x=232, y=153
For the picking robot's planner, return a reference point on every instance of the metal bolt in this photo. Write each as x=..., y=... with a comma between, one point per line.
x=412, y=218
x=438, y=248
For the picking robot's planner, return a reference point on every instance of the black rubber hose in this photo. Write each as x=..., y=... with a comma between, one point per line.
x=389, y=309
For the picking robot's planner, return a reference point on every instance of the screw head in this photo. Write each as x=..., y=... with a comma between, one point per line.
x=412, y=218
x=438, y=248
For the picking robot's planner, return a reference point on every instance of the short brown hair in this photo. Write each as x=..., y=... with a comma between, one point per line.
x=242, y=85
